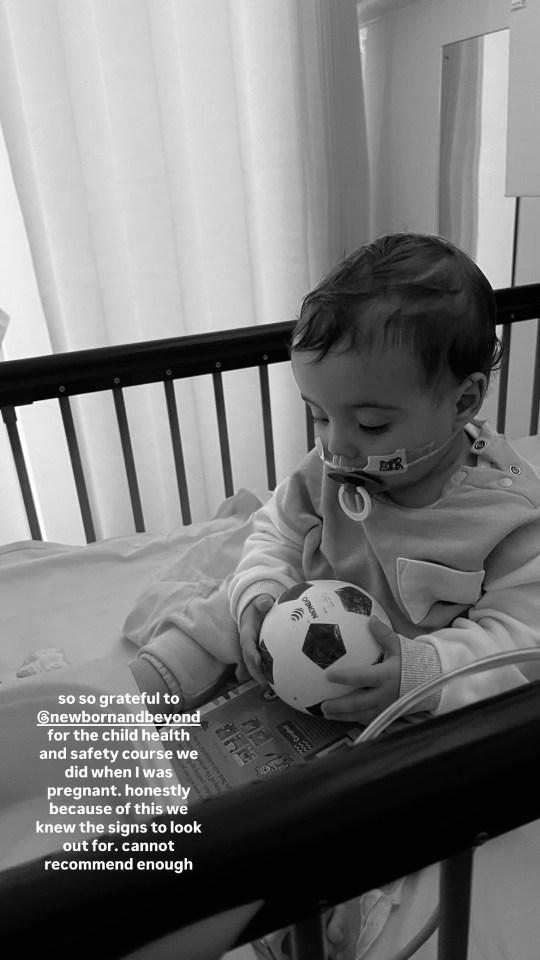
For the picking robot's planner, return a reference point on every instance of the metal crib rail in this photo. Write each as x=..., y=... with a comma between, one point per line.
x=417, y=796
x=125, y=365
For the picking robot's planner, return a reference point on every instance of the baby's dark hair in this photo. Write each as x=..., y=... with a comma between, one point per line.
x=411, y=290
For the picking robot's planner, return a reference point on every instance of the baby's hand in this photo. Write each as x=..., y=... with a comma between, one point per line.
x=377, y=685
x=342, y=929
x=250, y=627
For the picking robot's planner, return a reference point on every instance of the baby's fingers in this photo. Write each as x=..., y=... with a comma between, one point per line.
x=357, y=707
x=251, y=668
x=340, y=940
x=335, y=928
x=342, y=930
x=250, y=628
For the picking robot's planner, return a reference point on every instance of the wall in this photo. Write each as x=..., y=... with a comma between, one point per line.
x=403, y=77
x=402, y=44
x=523, y=171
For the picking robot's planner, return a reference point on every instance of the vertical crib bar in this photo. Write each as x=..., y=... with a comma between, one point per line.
x=515, y=241
x=223, y=434
x=507, y=331
x=535, y=402
x=503, y=378
x=267, y=426
x=77, y=467
x=9, y=415
x=310, y=432
x=455, y=906
x=129, y=462
x=178, y=452
x=308, y=940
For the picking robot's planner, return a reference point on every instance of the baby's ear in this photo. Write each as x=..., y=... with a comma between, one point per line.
x=471, y=396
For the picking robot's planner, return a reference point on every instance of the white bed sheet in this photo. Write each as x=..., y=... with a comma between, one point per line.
x=77, y=598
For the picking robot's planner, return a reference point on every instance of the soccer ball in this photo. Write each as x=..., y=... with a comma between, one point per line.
x=311, y=627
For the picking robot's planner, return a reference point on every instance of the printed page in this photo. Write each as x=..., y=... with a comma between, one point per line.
x=249, y=734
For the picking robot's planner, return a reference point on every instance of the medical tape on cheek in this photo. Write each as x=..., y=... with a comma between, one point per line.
x=389, y=462
x=397, y=462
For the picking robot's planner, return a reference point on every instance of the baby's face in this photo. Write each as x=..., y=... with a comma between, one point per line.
x=375, y=405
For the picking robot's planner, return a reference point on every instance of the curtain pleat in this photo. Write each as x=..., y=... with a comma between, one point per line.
x=181, y=166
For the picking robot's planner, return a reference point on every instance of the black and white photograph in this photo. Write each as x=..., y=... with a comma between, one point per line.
x=269, y=341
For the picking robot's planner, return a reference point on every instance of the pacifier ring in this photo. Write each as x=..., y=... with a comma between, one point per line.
x=362, y=500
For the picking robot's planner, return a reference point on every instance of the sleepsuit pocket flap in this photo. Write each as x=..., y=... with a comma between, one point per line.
x=421, y=584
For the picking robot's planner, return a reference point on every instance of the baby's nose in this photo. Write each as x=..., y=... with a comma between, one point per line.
x=342, y=444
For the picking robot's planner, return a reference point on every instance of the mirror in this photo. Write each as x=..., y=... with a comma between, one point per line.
x=473, y=211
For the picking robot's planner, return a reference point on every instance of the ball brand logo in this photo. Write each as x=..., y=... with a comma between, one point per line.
x=310, y=607
x=297, y=614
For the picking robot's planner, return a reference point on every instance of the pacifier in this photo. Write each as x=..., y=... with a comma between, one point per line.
x=353, y=497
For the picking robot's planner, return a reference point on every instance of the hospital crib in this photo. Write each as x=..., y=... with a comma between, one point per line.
x=455, y=781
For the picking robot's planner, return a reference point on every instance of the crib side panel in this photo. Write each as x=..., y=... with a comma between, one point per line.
x=195, y=418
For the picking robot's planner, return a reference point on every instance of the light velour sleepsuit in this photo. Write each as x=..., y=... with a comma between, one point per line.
x=459, y=579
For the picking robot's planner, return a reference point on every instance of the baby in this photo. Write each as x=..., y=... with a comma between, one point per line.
x=406, y=494
x=428, y=509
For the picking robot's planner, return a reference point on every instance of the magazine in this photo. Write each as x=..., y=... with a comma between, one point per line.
x=248, y=733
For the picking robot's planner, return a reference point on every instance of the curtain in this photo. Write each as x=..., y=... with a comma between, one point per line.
x=181, y=166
